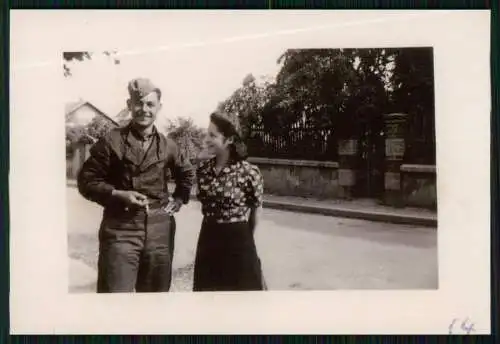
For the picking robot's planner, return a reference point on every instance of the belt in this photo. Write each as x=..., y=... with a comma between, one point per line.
x=217, y=219
x=152, y=206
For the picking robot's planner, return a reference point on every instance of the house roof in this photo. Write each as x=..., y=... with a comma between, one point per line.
x=73, y=106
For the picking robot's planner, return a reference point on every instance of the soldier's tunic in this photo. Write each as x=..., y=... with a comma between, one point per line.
x=135, y=247
x=226, y=257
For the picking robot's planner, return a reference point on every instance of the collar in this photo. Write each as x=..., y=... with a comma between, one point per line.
x=141, y=137
x=229, y=165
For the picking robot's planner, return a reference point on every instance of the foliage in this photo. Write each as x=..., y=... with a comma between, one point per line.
x=247, y=102
x=414, y=80
x=187, y=135
x=311, y=86
x=96, y=129
x=183, y=131
x=413, y=94
x=71, y=56
x=328, y=93
x=332, y=87
x=73, y=135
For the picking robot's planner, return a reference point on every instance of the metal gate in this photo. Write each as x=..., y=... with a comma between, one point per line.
x=371, y=158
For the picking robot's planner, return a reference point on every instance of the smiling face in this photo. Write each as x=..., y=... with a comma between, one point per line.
x=144, y=110
x=215, y=142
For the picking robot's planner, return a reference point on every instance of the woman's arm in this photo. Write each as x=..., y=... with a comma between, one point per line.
x=255, y=196
x=254, y=217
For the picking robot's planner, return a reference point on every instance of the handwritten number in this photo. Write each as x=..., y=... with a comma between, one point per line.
x=450, y=328
x=467, y=326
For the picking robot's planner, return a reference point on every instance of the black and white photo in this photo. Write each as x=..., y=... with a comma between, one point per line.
x=250, y=172
x=336, y=145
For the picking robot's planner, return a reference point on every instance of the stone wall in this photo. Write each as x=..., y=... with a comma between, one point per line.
x=320, y=180
x=299, y=178
x=419, y=185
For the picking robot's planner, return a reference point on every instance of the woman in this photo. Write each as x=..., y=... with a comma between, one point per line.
x=230, y=191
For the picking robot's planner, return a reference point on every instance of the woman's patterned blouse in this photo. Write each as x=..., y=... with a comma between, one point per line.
x=228, y=196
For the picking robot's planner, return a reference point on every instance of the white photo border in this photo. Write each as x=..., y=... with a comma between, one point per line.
x=40, y=302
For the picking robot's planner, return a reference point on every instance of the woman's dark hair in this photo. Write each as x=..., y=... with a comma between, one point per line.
x=230, y=127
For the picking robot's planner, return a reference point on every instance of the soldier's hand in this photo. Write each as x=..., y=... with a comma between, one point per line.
x=131, y=198
x=173, y=206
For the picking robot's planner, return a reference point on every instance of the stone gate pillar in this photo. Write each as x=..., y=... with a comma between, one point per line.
x=347, y=149
x=395, y=133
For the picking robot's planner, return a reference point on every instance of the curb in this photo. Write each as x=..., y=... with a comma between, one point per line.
x=355, y=214
x=399, y=219
x=426, y=221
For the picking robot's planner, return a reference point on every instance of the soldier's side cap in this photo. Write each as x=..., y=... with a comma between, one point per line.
x=140, y=87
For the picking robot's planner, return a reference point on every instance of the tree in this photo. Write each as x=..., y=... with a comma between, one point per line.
x=324, y=94
x=413, y=82
x=318, y=93
x=73, y=135
x=84, y=55
x=72, y=56
x=113, y=56
x=246, y=103
x=368, y=93
x=98, y=127
x=326, y=87
x=187, y=135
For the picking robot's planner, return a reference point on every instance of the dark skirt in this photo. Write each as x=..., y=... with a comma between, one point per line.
x=226, y=258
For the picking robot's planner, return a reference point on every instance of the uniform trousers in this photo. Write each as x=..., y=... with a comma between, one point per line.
x=135, y=252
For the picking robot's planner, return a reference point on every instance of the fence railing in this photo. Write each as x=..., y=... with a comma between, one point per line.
x=321, y=145
x=297, y=143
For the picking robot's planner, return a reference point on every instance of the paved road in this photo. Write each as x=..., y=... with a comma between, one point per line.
x=298, y=251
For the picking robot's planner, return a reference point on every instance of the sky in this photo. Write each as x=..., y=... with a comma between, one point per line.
x=197, y=66
x=193, y=79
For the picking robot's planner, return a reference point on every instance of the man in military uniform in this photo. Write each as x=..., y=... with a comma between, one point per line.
x=127, y=173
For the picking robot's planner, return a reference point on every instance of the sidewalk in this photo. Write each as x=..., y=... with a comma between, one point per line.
x=364, y=209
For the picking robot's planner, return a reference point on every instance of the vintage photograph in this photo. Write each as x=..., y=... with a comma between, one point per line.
x=206, y=169
x=283, y=164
